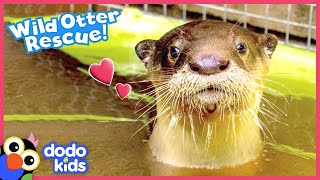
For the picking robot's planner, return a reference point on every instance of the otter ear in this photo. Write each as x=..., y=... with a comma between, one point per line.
x=269, y=43
x=145, y=50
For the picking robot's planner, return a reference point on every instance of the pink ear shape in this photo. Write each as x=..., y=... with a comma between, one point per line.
x=33, y=140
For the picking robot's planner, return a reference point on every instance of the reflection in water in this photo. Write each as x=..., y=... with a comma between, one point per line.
x=110, y=145
x=297, y=130
x=44, y=83
x=48, y=83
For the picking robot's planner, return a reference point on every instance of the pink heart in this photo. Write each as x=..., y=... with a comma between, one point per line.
x=102, y=72
x=123, y=90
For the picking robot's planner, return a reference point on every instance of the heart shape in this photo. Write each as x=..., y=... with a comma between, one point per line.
x=123, y=90
x=102, y=72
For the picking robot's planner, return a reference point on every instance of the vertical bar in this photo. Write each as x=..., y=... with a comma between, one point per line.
x=266, y=21
x=204, y=13
x=288, y=24
x=2, y=77
x=71, y=7
x=310, y=25
x=245, y=16
x=126, y=5
x=94, y=7
x=164, y=9
x=225, y=12
x=145, y=7
x=90, y=7
x=184, y=12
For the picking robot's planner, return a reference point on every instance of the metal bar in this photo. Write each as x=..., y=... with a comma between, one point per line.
x=94, y=8
x=229, y=10
x=219, y=8
x=204, y=13
x=265, y=17
x=126, y=5
x=120, y=7
x=90, y=7
x=309, y=29
x=266, y=22
x=245, y=16
x=71, y=7
x=297, y=45
x=288, y=25
x=164, y=10
x=225, y=12
x=145, y=7
x=184, y=12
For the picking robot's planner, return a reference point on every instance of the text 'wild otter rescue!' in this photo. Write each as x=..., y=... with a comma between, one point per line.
x=68, y=29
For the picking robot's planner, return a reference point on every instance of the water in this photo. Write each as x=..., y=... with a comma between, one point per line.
x=112, y=151
x=45, y=83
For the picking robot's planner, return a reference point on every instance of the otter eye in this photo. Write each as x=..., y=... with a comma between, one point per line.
x=174, y=52
x=241, y=48
x=31, y=160
x=13, y=145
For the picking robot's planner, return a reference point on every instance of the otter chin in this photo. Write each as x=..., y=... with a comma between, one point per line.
x=208, y=78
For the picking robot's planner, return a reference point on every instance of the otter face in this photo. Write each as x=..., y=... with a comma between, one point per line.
x=208, y=65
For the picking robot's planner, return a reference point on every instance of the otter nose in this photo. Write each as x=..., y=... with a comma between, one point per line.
x=209, y=66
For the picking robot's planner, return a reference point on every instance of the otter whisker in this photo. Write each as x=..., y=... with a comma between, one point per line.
x=156, y=89
x=173, y=121
x=208, y=137
x=237, y=23
x=227, y=136
x=265, y=112
x=183, y=131
x=154, y=118
x=152, y=102
x=268, y=88
x=157, y=99
x=273, y=106
x=179, y=28
x=277, y=92
x=146, y=124
x=262, y=126
x=166, y=102
x=193, y=132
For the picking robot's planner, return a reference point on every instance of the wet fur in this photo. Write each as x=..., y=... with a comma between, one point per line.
x=185, y=133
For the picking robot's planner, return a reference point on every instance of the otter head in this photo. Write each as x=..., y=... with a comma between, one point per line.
x=208, y=64
x=207, y=71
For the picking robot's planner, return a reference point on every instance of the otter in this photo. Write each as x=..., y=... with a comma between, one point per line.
x=208, y=78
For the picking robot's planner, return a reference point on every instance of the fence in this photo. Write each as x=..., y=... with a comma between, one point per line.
x=295, y=25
